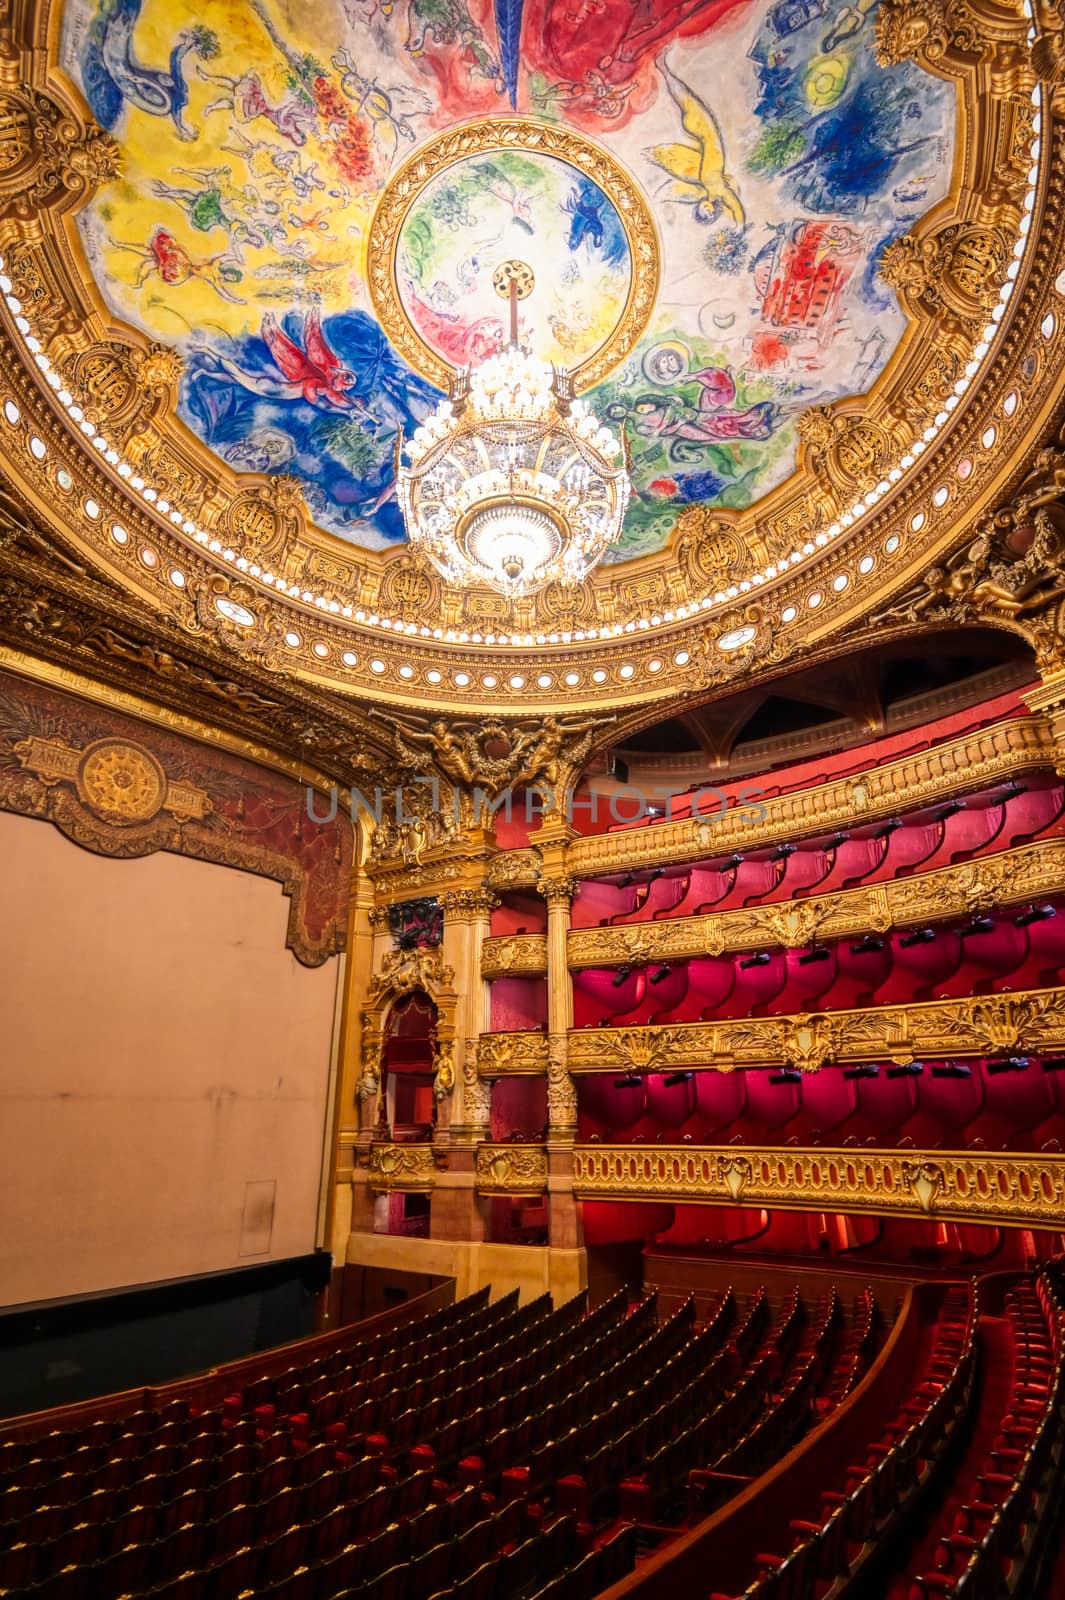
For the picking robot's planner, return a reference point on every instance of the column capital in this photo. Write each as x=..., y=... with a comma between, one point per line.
x=558, y=890
x=468, y=903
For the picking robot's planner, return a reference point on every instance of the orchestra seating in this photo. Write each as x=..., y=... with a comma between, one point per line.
x=500, y=1452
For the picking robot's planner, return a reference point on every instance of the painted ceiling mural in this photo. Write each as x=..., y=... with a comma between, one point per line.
x=777, y=157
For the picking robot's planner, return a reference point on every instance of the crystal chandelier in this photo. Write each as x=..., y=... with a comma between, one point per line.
x=511, y=482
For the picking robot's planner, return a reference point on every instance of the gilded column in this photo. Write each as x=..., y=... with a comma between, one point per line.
x=467, y=923
x=558, y=891
x=367, y=956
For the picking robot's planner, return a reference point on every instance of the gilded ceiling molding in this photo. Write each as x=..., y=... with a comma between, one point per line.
x=125, y=788
x=69, y=616
x=511, y=1169
x=1011, y=1190
x=1012, y=574
x=263, y=523
x=975, y=760
x=936, y=1029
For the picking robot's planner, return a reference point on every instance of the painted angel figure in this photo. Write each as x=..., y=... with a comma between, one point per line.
x=388, y=111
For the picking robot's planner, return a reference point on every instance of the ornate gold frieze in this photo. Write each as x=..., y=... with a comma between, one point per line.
x=510, y=1055
x=488, y=756
x=512, y=955
x=410, y=1167
x=1010, y=1189
x=1027, y=873
x=511, y=1168
x=971, y=762
x=1033, y=1021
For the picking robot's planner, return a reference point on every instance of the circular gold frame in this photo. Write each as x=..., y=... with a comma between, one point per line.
x=483, y=138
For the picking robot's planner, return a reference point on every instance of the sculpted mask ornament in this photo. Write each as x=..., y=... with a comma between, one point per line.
x=512, y=1168
x=561, y=1089
x=476, y=1093
x=735, y=1174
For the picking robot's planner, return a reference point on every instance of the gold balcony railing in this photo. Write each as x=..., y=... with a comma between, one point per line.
x=1032, y=1021
x=974, y=761
x=1031, y=872
x=410, y=1167
x=1010, y=1189
x=509, y=1055
x=511, y=1168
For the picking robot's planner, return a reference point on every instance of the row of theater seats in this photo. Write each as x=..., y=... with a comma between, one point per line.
x=1008, y=1103
x=992, y=1515
x=531, y=1463
x=985, y=954
x=754, y=1422
x=922, y=840
x=426, y=1463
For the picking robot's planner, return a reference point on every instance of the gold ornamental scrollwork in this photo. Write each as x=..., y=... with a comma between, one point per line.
x=508, y=1055
x=514, y=869
x=49, y=155
x=119, y=781
x=489, y=136
x=561, y=1090
x=936, y=1029
x=508, y=955
x=558, y=891
x=403, y=971
x=1028, y=872
x=468, y=902
x=411, y=1168
x=511, y=1169
x=1009, y=1189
